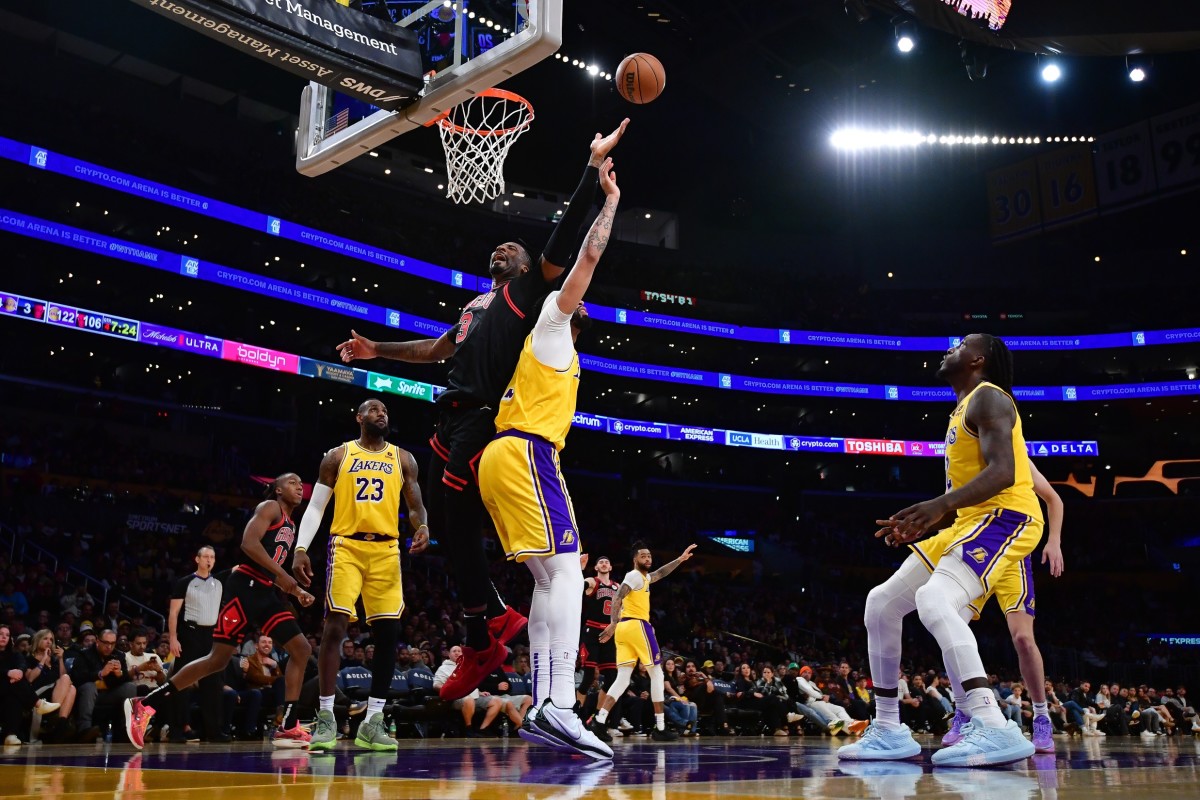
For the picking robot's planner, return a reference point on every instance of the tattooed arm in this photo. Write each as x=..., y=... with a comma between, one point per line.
x=597, y=239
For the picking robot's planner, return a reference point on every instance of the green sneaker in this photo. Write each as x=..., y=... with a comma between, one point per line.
x=372, y=735
x=324, y=735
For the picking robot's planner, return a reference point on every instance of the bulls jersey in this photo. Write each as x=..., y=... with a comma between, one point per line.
x=597, y=604
x=540, y=399
x=637, y=603
x=488, y=338
x=278, y=541
x=964, y=460
x=366, y=496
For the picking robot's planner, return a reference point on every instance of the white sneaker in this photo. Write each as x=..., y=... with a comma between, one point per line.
x=564, y=726
x=44, y=707
x=12, y=740
x=624, y=726
x=793, y=717
x=1148, y=735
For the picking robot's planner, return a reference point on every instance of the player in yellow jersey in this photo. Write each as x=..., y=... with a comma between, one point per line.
x=636, y=642
x=994, y=523
x=365, y=478
x=521, y=483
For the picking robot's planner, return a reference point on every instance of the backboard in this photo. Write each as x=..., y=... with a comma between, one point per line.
x=467, y=45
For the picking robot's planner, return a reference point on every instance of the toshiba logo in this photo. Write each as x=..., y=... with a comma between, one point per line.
x=880, y=446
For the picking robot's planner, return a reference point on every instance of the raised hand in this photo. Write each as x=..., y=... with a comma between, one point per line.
x=687, y=553
x=356, y=347
x=608, y=179
x=601, y=145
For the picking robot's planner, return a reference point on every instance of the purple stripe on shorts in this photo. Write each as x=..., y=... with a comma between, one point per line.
x=655, y=653
x=1027, y=599
x=566, y=538
x=989, y=543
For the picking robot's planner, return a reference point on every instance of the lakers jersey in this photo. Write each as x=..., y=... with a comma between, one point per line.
x=964, y=460
x=540, y=399
x=636, y=604
x=366, y=495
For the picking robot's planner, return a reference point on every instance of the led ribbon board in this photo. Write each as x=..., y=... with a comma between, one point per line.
x=42, y=158
x=17, y=306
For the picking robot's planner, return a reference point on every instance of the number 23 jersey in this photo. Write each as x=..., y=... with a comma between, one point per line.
x=366, y=495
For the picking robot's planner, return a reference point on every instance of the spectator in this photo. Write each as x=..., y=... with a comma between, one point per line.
x=48, y=667
x=236, y=692
x=850, y=700
x=11, y=596
x=263, y=674
x=144, y=667
x=102, y=681
x=514, y=705
x=774, y=701
x=818, y=701
x=467, y=706
x=16, y=692
x=1014, y=704
x=919, y=711
x=348, y=656
x=72, y=602
x=701, y=690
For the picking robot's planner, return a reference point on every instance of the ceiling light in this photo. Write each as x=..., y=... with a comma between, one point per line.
x=1051, y=72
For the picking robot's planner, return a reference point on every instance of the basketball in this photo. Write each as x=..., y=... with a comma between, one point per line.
x=640, y=78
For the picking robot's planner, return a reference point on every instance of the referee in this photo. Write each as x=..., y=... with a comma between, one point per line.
x=195, y=605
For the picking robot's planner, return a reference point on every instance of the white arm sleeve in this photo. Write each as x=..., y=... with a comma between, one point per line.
x=634, y=580
x=552, y=343
x=313, y=515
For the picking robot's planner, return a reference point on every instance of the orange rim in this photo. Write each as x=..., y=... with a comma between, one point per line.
x=443, y=120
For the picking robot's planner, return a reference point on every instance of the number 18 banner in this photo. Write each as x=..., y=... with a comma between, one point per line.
x=1124, y=165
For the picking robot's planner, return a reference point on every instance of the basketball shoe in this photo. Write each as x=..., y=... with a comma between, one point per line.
x=878, y=744
x=984, y=746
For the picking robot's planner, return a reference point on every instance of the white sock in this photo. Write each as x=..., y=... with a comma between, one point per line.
x=565, y=608
x=539, y=631
x=602, y=715
x=887, y=712
x=660, y=721
x=374, y=706
x=327, y=703
x=981, y=705
x=1041, y=709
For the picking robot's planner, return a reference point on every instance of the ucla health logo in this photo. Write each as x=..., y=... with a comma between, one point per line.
x=621, y=316
x=1139, y=338
x=1069, y=393
x=189, y=266
x=393, y=319
x=273, y=225
x=740, y=439
x=891, y=392
x=456, y=278
x=785, y=337
x=726, y=381
x=38, y=157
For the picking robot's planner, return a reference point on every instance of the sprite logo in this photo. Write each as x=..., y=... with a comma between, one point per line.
x=413, y=389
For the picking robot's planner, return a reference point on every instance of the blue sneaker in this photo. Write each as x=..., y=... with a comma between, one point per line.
x=985, y=746
x=957, y=732
x=878, y=744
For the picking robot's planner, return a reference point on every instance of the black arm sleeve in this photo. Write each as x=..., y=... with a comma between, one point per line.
x=561, y=247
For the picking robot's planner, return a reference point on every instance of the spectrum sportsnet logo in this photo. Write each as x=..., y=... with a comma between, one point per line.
x=587, y=421
x=259, y=357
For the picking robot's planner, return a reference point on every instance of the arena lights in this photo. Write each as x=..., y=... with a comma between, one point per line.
x=863, y=139
x=906, y=38
x=1138, y=68
x=1051, y=72
x=591, y=69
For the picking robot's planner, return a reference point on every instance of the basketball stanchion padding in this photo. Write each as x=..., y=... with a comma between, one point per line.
x=476, y=135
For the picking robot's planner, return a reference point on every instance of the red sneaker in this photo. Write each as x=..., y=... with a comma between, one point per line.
x=472, y=668
x=506, y=626
x=137, y=717
x=296, y=737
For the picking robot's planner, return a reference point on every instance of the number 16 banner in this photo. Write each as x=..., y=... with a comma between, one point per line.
x=1067, y=185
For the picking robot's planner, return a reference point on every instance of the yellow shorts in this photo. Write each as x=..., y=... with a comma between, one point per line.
x=636, y=642
x=525, y=494
x=1013, y=590
x=996, y=546
x=367, y=568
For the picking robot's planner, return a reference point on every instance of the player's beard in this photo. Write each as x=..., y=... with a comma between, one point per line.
x=581, y=322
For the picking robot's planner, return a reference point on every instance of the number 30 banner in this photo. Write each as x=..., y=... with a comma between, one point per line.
x=1014, y=205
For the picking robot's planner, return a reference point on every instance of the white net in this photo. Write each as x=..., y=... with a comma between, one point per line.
x=476, y=136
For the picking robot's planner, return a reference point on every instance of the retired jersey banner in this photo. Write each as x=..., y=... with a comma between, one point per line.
x=1067, y=185
x=1124, y=165
x=319, y=40
x=1013, y=201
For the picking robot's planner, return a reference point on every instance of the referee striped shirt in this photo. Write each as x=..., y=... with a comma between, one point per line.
x=201, y=599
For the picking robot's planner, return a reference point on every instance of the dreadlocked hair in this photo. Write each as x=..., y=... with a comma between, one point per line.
x=998, y=367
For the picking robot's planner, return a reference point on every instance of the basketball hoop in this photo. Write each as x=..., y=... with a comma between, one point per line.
x=476, y=136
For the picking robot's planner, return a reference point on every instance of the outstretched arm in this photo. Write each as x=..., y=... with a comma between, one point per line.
x=615, y=617
x=668, y=568
x=1052, y=552
x=416, y=505
x=417, y=351
x=557, y=255
x=321, y=492
x=580, y=278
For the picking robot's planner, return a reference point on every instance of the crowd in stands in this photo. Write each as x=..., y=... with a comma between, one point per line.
x=86, y=577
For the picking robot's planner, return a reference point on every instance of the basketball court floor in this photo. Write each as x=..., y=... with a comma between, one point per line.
x=450, y=769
